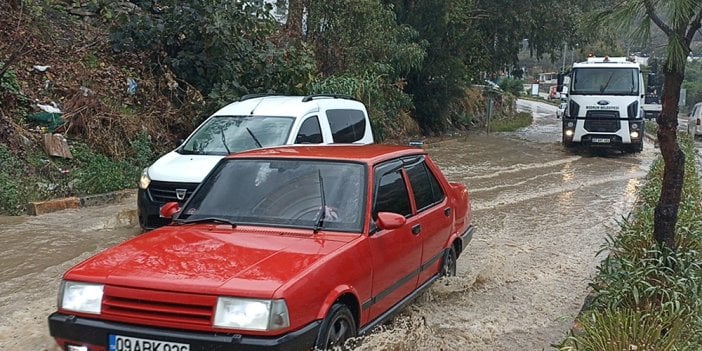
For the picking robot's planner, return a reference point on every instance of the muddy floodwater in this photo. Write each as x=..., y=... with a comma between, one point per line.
x=542, y=214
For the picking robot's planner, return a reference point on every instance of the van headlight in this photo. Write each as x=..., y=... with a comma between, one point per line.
x=80, y=297
x=251, y=314
x=144, y=181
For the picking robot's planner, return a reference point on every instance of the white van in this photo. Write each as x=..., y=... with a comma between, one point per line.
x=694, y=120
x=255, y=121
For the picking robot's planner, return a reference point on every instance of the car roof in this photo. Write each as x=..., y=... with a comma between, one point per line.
x=370, y=154
x=278, y=105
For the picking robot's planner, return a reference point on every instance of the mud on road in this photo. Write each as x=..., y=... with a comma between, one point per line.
x=542, y=215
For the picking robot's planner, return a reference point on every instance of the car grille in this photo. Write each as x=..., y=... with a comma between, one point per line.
x=166, y=191
x=158, y=308
x=602, y=121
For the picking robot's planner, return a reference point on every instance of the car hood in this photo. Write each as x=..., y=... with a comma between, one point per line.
x=174, y=167
x=210, y=259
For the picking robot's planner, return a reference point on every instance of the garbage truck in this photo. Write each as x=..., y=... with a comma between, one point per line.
x=605, y=98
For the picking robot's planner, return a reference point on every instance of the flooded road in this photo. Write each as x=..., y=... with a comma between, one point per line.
x=542, y=214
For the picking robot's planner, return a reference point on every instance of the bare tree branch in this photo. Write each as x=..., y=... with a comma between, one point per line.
x=651, y=11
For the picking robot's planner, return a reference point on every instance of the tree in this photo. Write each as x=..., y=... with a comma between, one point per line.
x=679, y=20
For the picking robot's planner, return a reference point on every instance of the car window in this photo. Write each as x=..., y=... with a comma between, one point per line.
x=392, y=195
x=222, y=135
x=347, y=126
x=310, y=132
x=285, y=193
x=425, y=187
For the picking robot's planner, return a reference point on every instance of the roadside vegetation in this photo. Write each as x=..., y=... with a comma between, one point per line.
x=647, y=296
x=132, y=78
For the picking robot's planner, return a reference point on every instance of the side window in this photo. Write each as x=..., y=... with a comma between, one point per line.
x=425, y=187
x=392, y=195
x=347, y=126
x=309, y=133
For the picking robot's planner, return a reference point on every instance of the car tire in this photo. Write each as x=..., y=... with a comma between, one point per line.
x=337, y=327
x=448, y=265
x=634, y=148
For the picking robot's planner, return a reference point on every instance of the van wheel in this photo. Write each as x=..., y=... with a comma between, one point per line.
x=337, y=327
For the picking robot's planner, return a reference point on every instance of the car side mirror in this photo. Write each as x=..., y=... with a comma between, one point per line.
x=389, y=220
x=169, y=209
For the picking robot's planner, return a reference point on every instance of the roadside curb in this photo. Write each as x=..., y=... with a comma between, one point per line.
x=53, y=205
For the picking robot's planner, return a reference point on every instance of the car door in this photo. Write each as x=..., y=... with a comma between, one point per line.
x=433, y=214
x=395, y=253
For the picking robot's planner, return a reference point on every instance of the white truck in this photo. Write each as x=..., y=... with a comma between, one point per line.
x=605, y=99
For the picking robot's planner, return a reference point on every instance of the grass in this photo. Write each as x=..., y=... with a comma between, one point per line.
x=646, y=297
x=510, y=124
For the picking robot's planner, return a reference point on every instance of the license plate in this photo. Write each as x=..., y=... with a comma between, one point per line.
x=126, y=343
x=601, y=140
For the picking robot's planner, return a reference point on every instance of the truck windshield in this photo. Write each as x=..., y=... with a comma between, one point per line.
x=605, y=81
x=282, y=193
x=222, y=135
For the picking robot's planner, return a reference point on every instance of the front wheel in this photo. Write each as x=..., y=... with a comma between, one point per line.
x=337, y=327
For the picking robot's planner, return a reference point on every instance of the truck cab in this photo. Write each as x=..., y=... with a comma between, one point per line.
x=604, y=105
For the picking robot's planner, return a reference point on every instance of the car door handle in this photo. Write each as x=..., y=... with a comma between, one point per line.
x=416, y=229
x=447, y=211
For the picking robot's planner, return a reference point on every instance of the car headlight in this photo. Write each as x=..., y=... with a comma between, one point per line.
x=251, y=314
x=144, y=181
x=80, y=297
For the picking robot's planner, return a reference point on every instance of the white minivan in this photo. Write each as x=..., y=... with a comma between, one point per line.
x=255, y=121
x=694, y=120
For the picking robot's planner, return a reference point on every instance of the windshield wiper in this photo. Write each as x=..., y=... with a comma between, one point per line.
x=217, y=220
x=603, y=88
x=254, y=137
x=224, y=140
x=319, y=222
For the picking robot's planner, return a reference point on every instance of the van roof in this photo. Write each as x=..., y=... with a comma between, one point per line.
x=278, y=105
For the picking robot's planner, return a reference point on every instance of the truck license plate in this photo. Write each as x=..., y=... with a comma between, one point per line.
x=126, y=343
x=601, y=140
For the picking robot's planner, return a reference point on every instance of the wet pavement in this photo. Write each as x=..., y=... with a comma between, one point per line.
x=542, y=215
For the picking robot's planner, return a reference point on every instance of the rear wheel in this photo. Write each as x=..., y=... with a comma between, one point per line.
x=337, y=327
x=448, y=267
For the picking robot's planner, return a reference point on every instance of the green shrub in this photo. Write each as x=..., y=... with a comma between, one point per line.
x=510, y=124
x=512, y=86
x=96, y=173
x=14, y=190
x=641, y=284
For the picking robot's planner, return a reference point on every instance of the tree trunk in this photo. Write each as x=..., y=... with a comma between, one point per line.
x=293, y=25
x=666, y=212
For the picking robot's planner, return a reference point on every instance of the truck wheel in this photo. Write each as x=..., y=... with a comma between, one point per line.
x=566, y=143
x=337, y=327
x=635, y=148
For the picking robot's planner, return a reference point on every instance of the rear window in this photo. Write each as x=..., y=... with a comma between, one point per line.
x=347, y=126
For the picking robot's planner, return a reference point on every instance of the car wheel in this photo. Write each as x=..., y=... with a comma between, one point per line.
x=448, y=267
x=337, y=327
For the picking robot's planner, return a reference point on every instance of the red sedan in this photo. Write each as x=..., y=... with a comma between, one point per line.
x=286, y=248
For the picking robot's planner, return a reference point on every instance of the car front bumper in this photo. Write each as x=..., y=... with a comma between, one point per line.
x=93, y=335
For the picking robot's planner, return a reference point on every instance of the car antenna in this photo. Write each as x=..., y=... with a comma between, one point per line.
x=320, y=216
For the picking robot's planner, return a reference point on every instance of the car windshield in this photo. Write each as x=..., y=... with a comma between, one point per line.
x=605, y=81
x=286, y=193
x=222, y=135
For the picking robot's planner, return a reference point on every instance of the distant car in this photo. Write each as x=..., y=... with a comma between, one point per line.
x=561, y=109
x=694, y=120
x=284, y=248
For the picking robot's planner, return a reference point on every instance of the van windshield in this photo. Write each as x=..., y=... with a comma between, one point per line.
x=605, y=81
x=222, y=135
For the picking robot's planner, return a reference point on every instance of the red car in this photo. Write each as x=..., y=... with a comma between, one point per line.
x=285, y=248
